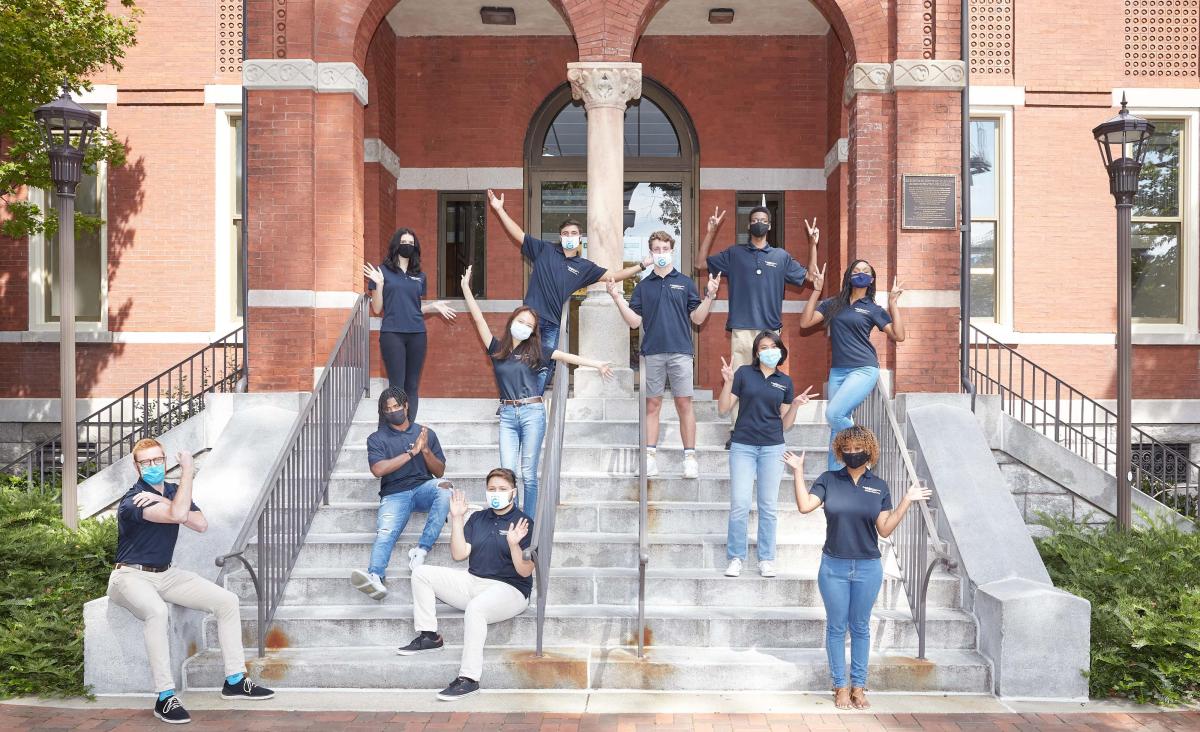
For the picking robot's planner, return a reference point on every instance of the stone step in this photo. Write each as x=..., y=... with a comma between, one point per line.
x=671, y=517
x=663, y=668
x=608, y=586
x=486, y=431
x=571, y=549
x=599, y=409
x=605, y=625
x=610, y=459
x=581, y=486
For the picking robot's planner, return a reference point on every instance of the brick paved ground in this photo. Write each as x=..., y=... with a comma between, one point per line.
x=43, y=719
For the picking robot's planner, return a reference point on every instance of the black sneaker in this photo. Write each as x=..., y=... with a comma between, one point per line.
x=729, y=441
x=245, y=689
x=171, y=711
x=460, y=687
x=425, y=642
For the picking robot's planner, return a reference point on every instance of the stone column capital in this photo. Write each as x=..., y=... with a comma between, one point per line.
x=605, y=83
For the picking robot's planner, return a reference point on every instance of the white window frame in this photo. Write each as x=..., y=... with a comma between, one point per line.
x=1004, y=216
x=1189, y=260
x=225, y=316
x=37, y=249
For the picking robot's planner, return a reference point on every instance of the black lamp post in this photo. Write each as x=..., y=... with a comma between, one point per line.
x=67, y=129
x=1122, y=142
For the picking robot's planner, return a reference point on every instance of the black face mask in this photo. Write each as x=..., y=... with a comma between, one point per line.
x=855, y=459
x=396, y=418
x=758, y=229
x=406, y=250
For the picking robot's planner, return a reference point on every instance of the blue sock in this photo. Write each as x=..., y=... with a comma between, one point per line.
x=166, y=694
x=235, y=679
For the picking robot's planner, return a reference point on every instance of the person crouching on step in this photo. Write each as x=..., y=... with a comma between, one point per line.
x=494, y=587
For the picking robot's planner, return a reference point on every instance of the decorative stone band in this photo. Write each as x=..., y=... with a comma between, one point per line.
x=605, y=83
x=333, y=77
x=838, y=154
x=913, y=299
x=301, y=299
x=769, y=179
x=910, y=74
x=376, y=151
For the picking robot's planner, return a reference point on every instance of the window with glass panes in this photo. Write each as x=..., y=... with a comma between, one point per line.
x=1158, y=227
x=89, y=257
x=985, y=216
x=236, y=259
x=462, y=235
x=746, y=202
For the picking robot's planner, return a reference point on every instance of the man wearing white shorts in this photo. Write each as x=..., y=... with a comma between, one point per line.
x=665, y=305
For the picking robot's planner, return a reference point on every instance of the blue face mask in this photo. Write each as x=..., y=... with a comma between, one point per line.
x=770, y=357
x=154, y=474
x=860, y=279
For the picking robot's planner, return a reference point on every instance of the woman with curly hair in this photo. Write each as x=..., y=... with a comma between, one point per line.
x=858, y=511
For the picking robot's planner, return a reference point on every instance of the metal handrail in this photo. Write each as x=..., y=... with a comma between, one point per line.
x=1046, y=403
x=299, y=479
x=643, y=507
x=541, y=547
x=166, y=400
x=917, y=536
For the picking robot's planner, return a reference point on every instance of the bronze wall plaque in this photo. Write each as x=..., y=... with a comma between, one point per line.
x=929, y=202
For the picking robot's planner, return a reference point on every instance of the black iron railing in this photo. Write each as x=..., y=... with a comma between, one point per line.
x=299, y=480
x=919, y=550
x=643, y=506
x=541, y=547
x=165, y=401
x=1046, y=403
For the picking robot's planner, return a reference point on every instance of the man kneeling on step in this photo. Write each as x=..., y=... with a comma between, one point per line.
x=494, y=587
x=408, y=460
x=143, y=581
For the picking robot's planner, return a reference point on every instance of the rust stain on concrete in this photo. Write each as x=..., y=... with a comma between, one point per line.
x=276, y=639
x=549, y=671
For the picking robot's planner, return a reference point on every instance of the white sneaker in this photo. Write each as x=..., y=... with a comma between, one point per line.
x=369, y=584
x=691, y=467
x=734, y=569
x=651, y=465
x=416, y=557
x=767, y=568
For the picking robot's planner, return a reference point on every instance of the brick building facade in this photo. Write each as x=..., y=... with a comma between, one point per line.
x=365, y=115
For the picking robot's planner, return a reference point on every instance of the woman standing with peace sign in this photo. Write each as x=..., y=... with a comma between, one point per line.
x=849, y=318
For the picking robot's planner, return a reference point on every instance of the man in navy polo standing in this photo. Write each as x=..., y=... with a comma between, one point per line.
x=757, y=274
x=558, y=270
x=144, y=582
x=665, y=304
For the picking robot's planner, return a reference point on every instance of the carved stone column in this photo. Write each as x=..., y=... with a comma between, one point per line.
x=605, y=88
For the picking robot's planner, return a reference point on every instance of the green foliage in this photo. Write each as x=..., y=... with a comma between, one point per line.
x=49, y=573
x=1144, y=586
x=45, y=44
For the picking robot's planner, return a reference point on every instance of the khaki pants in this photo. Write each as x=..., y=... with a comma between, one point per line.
x=741, y=353
x=484, y=601
x=146, y=594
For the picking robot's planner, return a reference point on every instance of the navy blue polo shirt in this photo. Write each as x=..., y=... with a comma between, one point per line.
x=759, y=399
x=515, y=378
x=388, y=442
x=850, y=512
x=666, y=304
x=555, y=276
x=850, y=331
x=487, y=533
x=402, y=295
x=756, y=279
x=140, y=540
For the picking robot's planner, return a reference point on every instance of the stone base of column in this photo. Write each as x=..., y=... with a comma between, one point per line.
x=603, y=336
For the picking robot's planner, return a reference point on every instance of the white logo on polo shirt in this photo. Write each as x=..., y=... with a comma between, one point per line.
x=869, y=489
x=860, y=310
x=780, y=387
x=572, y=270
x=677, y=287
x=771, y=264
x=418, y=279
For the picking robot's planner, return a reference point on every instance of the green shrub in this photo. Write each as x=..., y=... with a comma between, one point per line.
x=48, y=573
x=1144, y=586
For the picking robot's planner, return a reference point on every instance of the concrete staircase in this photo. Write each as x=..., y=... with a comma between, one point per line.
x=704, y=631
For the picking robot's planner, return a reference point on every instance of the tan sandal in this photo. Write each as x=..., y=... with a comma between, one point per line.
x=858, y=698
x=841, y=698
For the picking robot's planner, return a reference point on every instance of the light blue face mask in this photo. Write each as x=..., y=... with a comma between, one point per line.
x=154, y=474
x=770, y=357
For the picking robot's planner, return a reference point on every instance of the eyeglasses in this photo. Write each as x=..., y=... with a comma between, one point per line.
x=151, y=461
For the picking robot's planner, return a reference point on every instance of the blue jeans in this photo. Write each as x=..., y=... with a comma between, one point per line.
x=848, y=589
x=748, y=464
x=847, y=389
x=549, y=341
x=522, y=427
x=394, y=511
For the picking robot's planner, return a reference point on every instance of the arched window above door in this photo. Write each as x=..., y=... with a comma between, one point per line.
x=648, y=132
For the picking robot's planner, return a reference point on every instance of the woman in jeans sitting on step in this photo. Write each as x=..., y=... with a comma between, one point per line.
x=517, y=358
x=858, y=510
x=767, y=405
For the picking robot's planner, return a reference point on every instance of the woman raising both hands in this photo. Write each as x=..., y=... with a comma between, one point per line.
x=518, y=356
